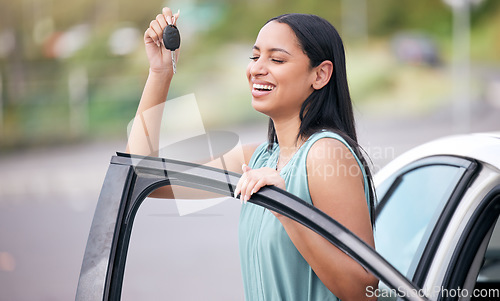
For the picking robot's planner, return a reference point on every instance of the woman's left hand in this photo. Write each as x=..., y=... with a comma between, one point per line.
x=254, y=179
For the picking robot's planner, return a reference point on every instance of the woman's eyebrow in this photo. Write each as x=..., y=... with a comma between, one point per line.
x=273, y=49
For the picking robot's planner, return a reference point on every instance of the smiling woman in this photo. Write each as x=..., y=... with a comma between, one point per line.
x=297, y=77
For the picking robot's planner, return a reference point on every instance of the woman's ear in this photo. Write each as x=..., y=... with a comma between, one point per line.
x=323, y=74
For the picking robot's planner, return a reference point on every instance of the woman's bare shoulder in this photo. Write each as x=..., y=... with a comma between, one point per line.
x=327, y=150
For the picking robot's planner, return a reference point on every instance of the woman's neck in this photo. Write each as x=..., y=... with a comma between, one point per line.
x=287, y=131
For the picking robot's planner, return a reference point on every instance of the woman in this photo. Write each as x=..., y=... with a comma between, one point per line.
x=297, y=77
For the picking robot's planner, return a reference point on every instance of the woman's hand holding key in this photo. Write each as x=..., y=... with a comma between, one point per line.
x=160, y=58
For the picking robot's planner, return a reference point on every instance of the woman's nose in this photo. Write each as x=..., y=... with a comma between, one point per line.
x=258, y=67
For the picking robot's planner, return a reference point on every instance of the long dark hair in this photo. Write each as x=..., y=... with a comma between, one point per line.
x=329, y=107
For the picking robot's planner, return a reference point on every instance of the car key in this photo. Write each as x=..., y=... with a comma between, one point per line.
x=172, y=41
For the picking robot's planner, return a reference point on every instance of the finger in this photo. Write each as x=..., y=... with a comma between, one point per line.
x=248, y=189
x=245, y=168
x=237, y=190
x=167, y=12
x=155, y=26
x=261, y=183
x=243, y=189
x=160, y=18
x=241, y=184
x=150, y=36
x=176, y=16
x=162, y=21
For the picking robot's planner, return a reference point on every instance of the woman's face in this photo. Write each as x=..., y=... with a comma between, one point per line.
x=279, y=72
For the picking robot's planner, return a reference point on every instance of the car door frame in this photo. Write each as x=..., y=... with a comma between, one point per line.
x=476, y=233
x=131, y=178
x=470, y=168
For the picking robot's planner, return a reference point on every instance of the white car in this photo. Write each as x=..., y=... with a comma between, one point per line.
x=437, y=216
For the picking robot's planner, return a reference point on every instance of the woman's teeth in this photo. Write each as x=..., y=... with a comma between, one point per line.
x=263, y=87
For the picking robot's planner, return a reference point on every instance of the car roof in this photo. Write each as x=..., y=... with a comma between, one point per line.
x=484, y=147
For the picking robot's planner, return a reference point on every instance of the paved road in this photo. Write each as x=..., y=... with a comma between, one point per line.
x=47, y=199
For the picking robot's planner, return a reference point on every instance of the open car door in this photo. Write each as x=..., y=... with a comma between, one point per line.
x=130, y=179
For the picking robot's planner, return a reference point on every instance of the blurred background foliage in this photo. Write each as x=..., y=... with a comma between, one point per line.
x=75, y=70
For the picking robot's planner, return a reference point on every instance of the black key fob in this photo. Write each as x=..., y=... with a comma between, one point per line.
x=171, y=37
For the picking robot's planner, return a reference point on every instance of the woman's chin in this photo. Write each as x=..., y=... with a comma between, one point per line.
x=260, y=107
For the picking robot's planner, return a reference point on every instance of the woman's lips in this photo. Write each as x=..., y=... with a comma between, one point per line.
x=260, y=90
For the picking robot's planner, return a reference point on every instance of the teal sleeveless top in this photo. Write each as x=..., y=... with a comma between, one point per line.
x=272, y=268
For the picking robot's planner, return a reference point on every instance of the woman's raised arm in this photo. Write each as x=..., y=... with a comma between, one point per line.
x=144, y=134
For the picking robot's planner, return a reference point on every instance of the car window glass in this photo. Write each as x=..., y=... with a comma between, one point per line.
x=410, y=212
x=184, y=249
